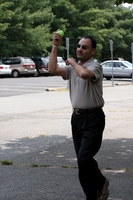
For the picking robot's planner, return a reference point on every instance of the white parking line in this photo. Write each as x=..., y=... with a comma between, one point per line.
x=26, y=90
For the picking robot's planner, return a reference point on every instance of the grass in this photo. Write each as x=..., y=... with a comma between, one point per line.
x=35, y=165
x=6, y=162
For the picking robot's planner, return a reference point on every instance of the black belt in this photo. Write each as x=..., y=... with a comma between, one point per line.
x=79, y=111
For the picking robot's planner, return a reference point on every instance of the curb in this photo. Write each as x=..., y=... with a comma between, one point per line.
x=57, y=89
x=115, y=84
x=65, y=89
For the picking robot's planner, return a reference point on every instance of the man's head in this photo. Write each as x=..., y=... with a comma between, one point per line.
x=86, y=48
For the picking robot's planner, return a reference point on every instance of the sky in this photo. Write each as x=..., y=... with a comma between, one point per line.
x=127, y=4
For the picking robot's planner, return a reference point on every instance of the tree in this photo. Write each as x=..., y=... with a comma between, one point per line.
x=103, y=20
x=5, y=15
x=118, y=2
x=28, y=28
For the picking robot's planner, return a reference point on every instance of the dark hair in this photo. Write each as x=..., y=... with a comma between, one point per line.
x=93, y=41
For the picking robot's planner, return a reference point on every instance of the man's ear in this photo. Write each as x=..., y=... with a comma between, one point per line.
x=93, y=51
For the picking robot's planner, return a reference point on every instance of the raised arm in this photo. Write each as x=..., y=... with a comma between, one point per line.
x=52, y=66
x=80, y=70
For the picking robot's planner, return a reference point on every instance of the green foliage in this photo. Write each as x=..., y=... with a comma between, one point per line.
x=27, y=26
x=6, y=162
x=26, y=30
x=35, y=165
x=5, y=15
x=118, y=2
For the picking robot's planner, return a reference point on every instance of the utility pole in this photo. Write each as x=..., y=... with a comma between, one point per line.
x=67, y=47
x=111, y=49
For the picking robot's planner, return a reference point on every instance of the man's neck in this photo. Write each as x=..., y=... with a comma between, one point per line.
x=82, y=62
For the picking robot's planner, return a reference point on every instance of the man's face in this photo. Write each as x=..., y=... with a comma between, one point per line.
x=84, y=50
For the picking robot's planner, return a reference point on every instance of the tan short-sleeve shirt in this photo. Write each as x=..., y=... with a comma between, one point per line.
x=85, y=94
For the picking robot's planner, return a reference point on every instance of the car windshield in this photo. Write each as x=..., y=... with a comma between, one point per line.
x=45, y=60
x=28, y=60
x=60, y=59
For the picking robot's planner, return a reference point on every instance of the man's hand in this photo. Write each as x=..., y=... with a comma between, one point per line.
x=57, y=39
x=70, y=61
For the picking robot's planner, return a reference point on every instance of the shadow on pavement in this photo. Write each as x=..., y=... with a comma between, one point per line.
x=56, y=177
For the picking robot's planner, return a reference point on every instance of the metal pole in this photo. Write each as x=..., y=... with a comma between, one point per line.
x=111, y=49
x=67, y=48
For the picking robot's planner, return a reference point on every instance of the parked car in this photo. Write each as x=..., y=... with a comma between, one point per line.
x=117, y=69
x=20, y=66
x=41, y=66
x=46, y=61
x=114, y=58
x=60, y=61
x=5, y=70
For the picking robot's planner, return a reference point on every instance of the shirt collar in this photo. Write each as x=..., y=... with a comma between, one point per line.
x=86, y=64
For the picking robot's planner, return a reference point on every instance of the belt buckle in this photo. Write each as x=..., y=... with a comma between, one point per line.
x=77, y=111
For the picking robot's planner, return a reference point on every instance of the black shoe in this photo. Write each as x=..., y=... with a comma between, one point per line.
x=104, y=192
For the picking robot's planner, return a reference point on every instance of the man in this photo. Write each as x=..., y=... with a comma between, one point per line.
x=88, y=119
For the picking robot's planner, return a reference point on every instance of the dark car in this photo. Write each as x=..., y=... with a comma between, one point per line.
x=41, y=66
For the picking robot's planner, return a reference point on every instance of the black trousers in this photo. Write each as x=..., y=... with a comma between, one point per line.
x=87, y=131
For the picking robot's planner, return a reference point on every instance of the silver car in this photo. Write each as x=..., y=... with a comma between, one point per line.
x=20, y=66
x=60, y=61
x=5, y=70
x=117, y=69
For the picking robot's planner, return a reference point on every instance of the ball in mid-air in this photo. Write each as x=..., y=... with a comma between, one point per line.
x=61, y=33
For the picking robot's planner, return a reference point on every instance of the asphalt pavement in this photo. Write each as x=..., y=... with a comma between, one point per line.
x=35, y=136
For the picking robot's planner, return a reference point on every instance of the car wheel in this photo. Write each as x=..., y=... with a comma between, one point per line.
x=46, y=74
x=108, y=78
x=15, y=74
x=37, y=73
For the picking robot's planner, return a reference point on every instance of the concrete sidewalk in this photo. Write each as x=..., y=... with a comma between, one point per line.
x=37, y=140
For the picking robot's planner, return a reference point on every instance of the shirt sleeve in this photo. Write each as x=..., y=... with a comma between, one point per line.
x=97, y=71
x=95, y=67
x=68, y=70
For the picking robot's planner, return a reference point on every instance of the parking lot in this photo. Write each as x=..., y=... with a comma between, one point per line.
x=26, y=85
x=35, y=129
x=23, y=85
